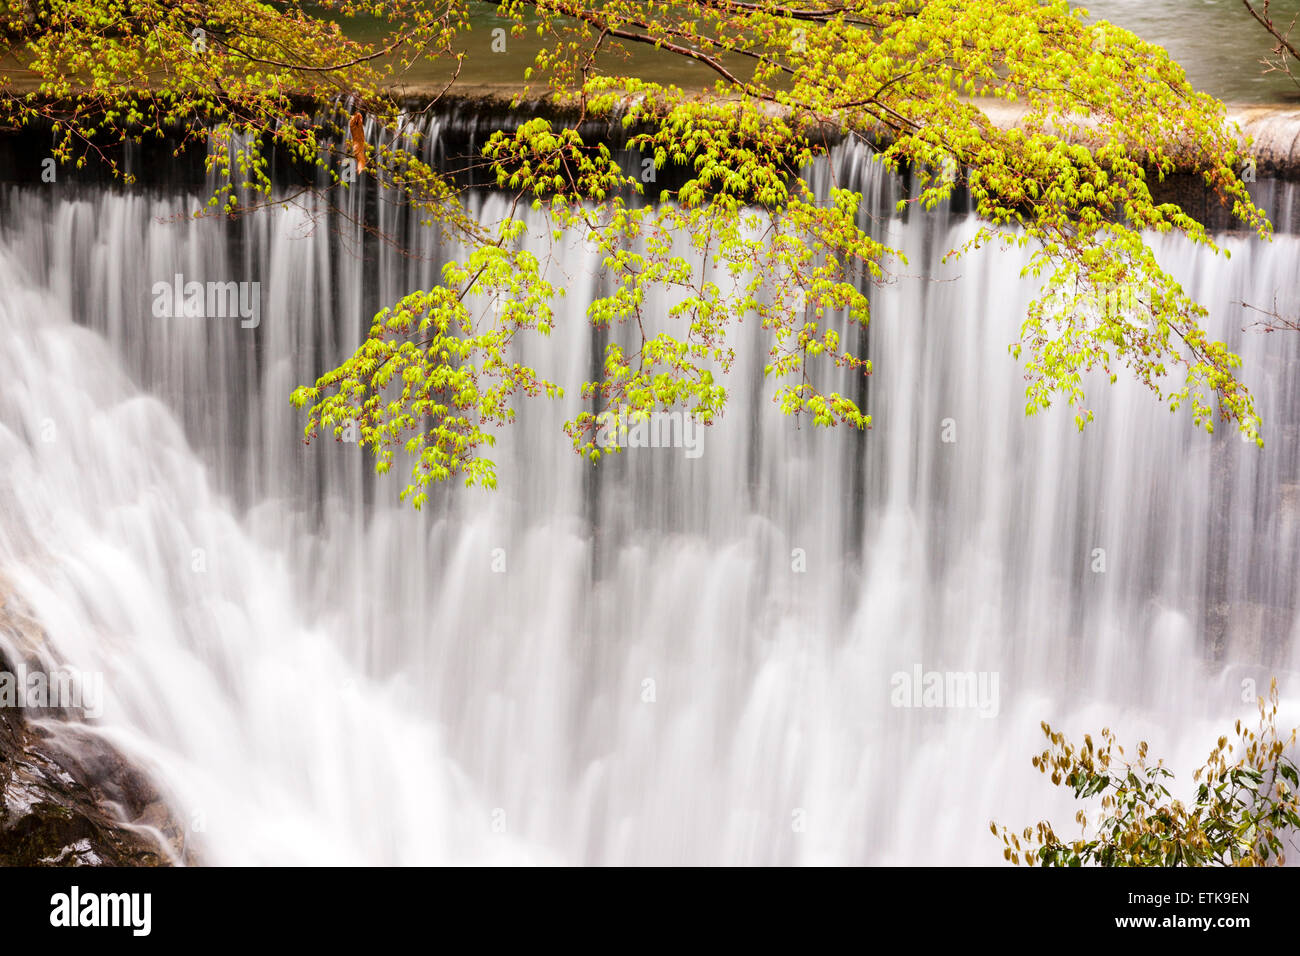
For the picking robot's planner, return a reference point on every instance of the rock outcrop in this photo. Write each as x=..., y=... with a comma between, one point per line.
x=67, y=797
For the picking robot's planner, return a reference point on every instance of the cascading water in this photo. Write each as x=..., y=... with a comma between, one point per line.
x=668, y=658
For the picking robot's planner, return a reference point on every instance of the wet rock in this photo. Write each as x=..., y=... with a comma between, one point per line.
x=68, y=798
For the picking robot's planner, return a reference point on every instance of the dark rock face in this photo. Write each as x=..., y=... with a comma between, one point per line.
x=67, y=798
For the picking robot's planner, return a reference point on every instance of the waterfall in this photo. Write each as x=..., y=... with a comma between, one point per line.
x=662, y=659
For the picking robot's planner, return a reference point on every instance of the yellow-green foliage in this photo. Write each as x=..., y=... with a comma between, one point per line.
x=436, y=376
x=1245, y=810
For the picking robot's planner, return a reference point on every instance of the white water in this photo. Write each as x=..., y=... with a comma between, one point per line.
x=343, y=680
